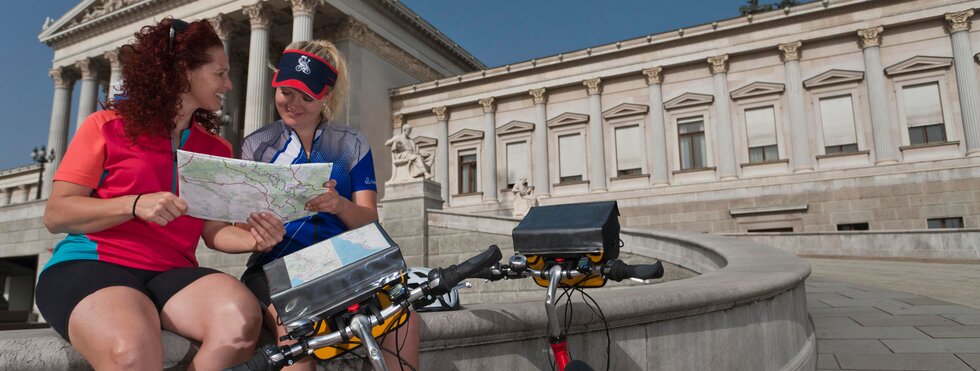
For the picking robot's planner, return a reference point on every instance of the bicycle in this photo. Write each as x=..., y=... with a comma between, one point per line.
x=573, y=254
x=363, y=321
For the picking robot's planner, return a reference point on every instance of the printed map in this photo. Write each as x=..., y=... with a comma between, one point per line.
x=224, y=189
x=329, y=255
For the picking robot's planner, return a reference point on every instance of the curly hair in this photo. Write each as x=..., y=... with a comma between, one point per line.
x=154, y=70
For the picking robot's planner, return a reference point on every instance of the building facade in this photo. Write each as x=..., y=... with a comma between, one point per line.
x=831, y=115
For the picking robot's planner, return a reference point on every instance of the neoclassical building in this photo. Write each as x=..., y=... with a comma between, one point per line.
x=832, y=115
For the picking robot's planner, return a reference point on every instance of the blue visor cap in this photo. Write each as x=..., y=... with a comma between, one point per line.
x=305, y=72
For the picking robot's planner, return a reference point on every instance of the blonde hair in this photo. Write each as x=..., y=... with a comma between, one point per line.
x=339, y=93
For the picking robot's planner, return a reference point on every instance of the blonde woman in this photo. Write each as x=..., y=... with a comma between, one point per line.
x=311, y=84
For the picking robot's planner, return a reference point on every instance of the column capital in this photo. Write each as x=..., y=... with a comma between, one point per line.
x=63, y=77
x=791, y=51
x=113, y=57
x=959, y=21
x=88, y=69
x=488, y=106
x=305, y=7
x=221, y=25
x=593, y=86
x=871, y=36
x=398, y=120
x=442, y=113
x=538, y=95
x=259, y=14
x=655, y=75
x=719, y=63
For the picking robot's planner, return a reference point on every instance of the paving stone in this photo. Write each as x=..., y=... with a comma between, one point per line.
x=901, y=362
x=968, y=345
x=951, y=331
x=965, y=319
x=882, y=319
x=834, y=322
x=923, y=301
x=843, y=346
x=827, y=362
x=843, y=311
x=847, y=302
x=850, y=332
x=971, y=359
x=929, y=309
x=870, y=293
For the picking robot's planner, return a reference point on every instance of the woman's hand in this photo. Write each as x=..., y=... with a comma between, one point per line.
x=159, y=208
x=266, y=229
x=330, y=201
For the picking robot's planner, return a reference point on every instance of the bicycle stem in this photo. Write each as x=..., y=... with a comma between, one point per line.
x=362, y=325
x=554, y=328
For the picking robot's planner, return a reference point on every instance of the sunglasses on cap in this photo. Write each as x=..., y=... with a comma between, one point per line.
x=176, y=26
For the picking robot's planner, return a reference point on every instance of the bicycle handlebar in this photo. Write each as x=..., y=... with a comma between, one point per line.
x=619, y=271
x=441, y=281
x=615, y=270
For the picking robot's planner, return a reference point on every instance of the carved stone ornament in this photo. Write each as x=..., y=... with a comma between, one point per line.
x=488, y=106
x=539, y=95
x=871, y=36
x=593, y=86
x=113, y=57
x=719, y=63
x=88, y=69
x=523, y=200
x=959, y=21
x=305, y=7
x=791, y=51
x=106, y=7
x=655, y=75
x=350, y=28
x=407, y=161
x=442, y=113
x=221, y=26
x=63, y=78
x=259, y=15
x=398, y=120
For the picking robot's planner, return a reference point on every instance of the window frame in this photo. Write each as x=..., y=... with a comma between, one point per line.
x=938, y=77
x=558, y=129
x=741, y=127
x=860, y=112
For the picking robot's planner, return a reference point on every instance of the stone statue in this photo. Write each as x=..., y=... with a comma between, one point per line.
x=523, y=200
x=406, y=160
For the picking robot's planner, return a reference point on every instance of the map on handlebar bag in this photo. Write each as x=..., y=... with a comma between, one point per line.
x=225, y=189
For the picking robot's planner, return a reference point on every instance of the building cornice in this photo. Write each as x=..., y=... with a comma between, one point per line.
x=432, y=33
x=75, y=25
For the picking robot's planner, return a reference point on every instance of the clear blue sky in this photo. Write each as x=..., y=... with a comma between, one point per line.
x=496, y=32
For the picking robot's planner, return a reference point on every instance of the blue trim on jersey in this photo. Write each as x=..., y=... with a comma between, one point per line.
x=73, y=247
x=281, y=150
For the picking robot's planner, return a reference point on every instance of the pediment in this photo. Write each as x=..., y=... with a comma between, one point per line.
x=688, y=100
x=625, y=110
x=425, y=141
x=918, y=63
x=465, y=135
x=85, y=12
x=758, y=88
x=515, y=127
x=833, y=77
x=568, y=118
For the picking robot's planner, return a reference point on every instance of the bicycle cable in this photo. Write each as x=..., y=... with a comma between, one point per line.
x=597, y=310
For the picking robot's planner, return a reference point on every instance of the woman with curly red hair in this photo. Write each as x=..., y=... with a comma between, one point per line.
x=127, y=267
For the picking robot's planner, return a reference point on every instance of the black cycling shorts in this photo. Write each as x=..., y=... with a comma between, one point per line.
x=62, y=286
x=254, y=278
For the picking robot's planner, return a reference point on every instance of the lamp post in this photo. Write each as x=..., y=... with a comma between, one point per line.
x=41, y=156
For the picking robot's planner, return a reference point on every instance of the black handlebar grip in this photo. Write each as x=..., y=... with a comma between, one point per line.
x=442, y=280
x=258, y=362
x=619, y=271
x=491, y=273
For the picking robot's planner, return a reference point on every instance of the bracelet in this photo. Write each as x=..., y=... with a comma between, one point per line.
x=134, y=203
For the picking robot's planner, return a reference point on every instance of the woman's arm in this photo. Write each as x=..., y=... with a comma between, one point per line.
x=361, y=211
x=72, y=209
x=261, y=233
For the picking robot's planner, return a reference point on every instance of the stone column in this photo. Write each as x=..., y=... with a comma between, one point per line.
x=4, y=197
x=797, y=108
x=257, y=99
x=58, y=129
x=303, y=11
x=442, y=150
x=489, y=151
x=877, y=96
x=657, y=130
x=88, y=92
x=541, y=180
x=222, y=26
x=966, y=78
x=405, y=217
x=26, y=191
x=723, y=118
x=597, y=152
x=115, y=73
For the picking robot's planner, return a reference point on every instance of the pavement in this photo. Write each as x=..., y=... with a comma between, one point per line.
x=889, y=315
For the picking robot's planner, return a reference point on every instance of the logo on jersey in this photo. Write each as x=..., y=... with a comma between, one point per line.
x=369, y=181
x=304, y=65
